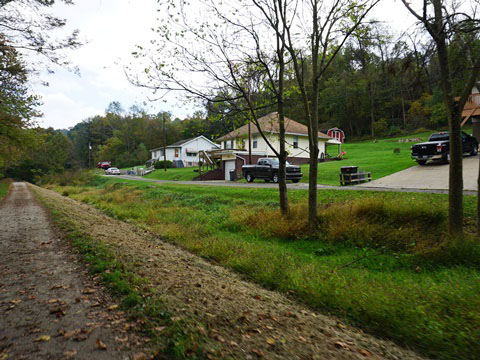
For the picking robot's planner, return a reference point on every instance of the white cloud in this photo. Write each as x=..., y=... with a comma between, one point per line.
x=112, y=28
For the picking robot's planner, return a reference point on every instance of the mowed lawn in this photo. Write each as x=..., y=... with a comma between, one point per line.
x=380, y=260
x=180, y=174
x=378, y=158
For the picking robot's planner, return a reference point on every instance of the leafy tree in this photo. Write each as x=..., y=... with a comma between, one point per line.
x=443, y=20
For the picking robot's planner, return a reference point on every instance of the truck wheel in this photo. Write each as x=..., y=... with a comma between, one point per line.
x=446, y=158
x=421, y=162
x=249, y=177
x=275, y=178
x=295, y=181
x=474, y=150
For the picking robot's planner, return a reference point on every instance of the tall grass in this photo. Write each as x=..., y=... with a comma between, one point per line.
x=381, y=260
x=4, y=187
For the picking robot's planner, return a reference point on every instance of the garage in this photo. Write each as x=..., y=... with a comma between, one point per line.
x=228, y=165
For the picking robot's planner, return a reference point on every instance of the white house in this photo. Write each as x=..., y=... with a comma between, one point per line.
x=184, y=153
x=296, y=139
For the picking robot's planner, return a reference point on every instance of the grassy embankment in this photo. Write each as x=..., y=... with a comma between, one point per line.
x=4, y=186
x=380, y=260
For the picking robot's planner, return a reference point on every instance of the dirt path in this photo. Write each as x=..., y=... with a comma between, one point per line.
x=243, y=319
x=50, y=308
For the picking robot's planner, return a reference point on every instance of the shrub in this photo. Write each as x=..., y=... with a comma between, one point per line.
x=159, y=164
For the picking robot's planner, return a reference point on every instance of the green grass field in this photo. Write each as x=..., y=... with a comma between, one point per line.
x=380, y=260
x=378, y=158
x=181, y=174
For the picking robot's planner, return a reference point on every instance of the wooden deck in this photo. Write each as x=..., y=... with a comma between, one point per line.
x=472, y=106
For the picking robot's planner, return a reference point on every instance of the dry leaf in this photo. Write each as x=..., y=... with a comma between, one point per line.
x=365, y=352
x=15, y=302
x=340, y=345
x=100, y=344
x=43, y=338
x=140, y=356
x=257, y=352
x=70, y=353
x=270, y=341
x=113, y=307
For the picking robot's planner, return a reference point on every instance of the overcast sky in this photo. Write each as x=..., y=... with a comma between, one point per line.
x=111, y=29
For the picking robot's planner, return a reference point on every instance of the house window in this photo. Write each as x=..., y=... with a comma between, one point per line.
x=228, y=144
x=295, y=142
x=176, y=153
x=254, y=141
x=192, y=154
x=231, y=144
x=225, y=144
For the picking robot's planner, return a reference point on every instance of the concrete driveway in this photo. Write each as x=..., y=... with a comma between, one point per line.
x=433, y=176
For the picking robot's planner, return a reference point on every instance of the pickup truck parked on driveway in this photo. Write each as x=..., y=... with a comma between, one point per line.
x=267, y=169
x=438, y=148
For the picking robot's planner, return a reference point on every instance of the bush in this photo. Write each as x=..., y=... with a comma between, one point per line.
x=380, y=127
x=159, y=164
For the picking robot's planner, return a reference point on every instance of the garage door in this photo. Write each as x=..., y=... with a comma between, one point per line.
x=229, y=165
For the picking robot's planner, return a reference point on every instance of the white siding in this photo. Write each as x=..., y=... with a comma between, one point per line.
x=197, y=144
x=300, y=152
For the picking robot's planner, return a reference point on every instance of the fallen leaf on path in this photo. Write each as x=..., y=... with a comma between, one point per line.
x=15, y=302
x=70, y=353
x=365, y=352
x=88, y=291
x=340, y=345
x=43, y=338
x=140, y=356
x=100, y=344
x=257, y=352
x=270, y=341
x=113, y=307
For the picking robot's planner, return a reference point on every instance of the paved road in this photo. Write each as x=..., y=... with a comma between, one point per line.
x=371, y=186
x=433, y=176
x=49, y=308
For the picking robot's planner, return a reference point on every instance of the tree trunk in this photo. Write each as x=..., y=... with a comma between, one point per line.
x=455, y=190
x=282, y=176
x=478, y=201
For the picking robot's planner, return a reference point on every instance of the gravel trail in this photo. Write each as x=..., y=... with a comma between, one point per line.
x=244, y=320
x=50, y=308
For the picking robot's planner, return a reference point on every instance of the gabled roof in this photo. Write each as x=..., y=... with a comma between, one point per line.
x=269, y=124
x=180, y=143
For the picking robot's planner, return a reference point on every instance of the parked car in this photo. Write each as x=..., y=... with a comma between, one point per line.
x=438, y=148
x=104, y=165
x=112, y=171
x=267, y=169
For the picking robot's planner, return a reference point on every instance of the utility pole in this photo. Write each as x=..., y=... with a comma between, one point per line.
x=164, y=145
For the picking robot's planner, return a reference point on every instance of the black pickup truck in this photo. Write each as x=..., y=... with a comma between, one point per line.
x=438, y=148
x=267, y=169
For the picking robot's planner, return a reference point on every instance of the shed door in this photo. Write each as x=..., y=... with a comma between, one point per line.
x=229, y=165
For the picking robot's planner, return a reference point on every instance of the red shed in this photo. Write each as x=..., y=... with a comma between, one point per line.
x=337, y=134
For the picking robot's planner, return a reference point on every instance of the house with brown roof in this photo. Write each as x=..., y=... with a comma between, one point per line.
x=296, y=139
x=234, y=152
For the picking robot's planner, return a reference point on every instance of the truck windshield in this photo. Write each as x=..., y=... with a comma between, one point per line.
x=275, y=162
x=438, y=137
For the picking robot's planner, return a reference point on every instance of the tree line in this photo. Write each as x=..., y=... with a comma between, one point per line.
x=318, y=62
